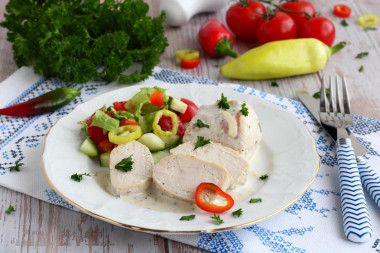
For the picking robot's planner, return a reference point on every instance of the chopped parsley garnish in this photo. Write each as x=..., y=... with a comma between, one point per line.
x=370, y=28
x=187, y=218
x=16, y=167
x=201, y=124
x=78, y=177
x=237, y=213
x=10, y=209
x=125, y=164
x=274, y=84
x=263, y=177
x=244, y=110
x=361, y=68
x=318, y=94
x=201, y=142
x=344, y=22
x=217, y=219
x=223, y=103
x=255, y=200
x=361, y=55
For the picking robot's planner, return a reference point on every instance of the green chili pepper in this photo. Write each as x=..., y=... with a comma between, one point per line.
x=281, y=59
x=47, y=102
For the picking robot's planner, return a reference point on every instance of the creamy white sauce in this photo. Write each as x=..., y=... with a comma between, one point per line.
x=155, y=200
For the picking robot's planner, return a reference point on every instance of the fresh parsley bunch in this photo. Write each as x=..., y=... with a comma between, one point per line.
x=81, y=40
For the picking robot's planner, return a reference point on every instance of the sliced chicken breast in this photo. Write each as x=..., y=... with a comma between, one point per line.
x=179, y=175
x=217, y=153
x=140, y=176
x=228, y=127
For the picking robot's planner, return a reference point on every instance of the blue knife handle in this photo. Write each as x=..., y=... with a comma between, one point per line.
x=370, y=179
x=356, y=222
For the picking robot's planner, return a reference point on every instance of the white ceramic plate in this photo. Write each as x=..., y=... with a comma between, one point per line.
x=287, y=153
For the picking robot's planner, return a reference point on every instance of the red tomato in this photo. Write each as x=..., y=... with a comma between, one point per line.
x=120, y=106
x=242, y=18
x=300, y=6
x=342, y=10
x=320, y=28
x=280, y=27
x=105, y=146
x=190, y=64
x=157, y=98
x=96, y=133
x=125, y=122
x=166, y=124
x=190, y=111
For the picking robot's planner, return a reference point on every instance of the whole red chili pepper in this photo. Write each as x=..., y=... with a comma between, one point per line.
x=47, y=102
x=215, y=39
x=213, y=190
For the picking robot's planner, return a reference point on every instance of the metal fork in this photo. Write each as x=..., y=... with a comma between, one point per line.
x=335, y=112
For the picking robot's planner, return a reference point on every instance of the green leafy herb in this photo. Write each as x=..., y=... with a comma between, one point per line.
x=217, y=219
x=361, y=55
x=318, y=94
x=361, y=68
x=70, y=39
x=188, y=218
x=223, y=103
x=201, y=124
x=244, y=109
x=10, y=209
x=16, y=167
x=78, y=177
x=263, y=177
x=274, y=84
x=370, y=28
x=344, y=22
x=255, y=200
x=237, y=213
x=125, y=164
x=201, y=142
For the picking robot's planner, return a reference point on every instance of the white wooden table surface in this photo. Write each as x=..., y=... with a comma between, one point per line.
x=37, y=226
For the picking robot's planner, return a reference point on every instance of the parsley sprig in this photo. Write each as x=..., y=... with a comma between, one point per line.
x=125, y=164
x=255, y=200
x=244, y=109
x=361, y=55
x=78, y=177
x=16, y=167
x=263, y=177
x=201, y=124
x=237, y=213
x=188, y=217
x=217, y=219
x=223, y=103
x=10, y=209
x=201, y=142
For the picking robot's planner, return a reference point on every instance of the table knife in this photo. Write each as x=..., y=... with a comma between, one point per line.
x=370, y=179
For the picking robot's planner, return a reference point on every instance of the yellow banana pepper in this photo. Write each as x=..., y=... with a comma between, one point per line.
x=282, y=58
x=125, y=134
x=157, y=128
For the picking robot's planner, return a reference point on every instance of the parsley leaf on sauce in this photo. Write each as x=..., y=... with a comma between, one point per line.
x=16, y=167
x=217, y=219
x=263, y=177
x=188, y=218
x=78, y=177
x=223, y=103
x=201, y=124
x=244, y=110
x=255, y=200
x=237, y=213
x=10, y=209
x=125, y=164
x=361, y=55
x=201, y=142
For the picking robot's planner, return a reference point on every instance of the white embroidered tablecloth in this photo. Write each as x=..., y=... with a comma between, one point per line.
x=312, y=224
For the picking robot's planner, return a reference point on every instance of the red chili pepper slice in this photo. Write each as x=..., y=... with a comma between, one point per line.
x=190, y=64
x=342, y=10
x=210, y=189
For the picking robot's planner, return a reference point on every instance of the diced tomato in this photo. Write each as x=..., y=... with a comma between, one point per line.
x=166, y=125
x=190, y=64
x=190, y=111
x=120, y=106
x=157, y=98
x=105, y=146
x=125, y=122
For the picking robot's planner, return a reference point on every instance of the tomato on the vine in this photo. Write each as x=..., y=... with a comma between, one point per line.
x=280, y=26
x=299, y=6
x=320, y=28
x=242, y=18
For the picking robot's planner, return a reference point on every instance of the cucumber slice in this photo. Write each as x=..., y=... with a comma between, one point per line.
x=89, y=148
x=171, y=141
x=157, y=156
x=152, y=141
x=177, y=105
x=104, y=159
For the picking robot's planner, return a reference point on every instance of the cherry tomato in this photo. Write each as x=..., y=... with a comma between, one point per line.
x=242, y=18
x=96, y=133
x=157, y=98
x=190, y=64
x=320, y=28
x=119, y=106
x=190, y=111
x=279, y=27
x=300, y=6
x=166, y=125
x=132, y=122
x=342, y=10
